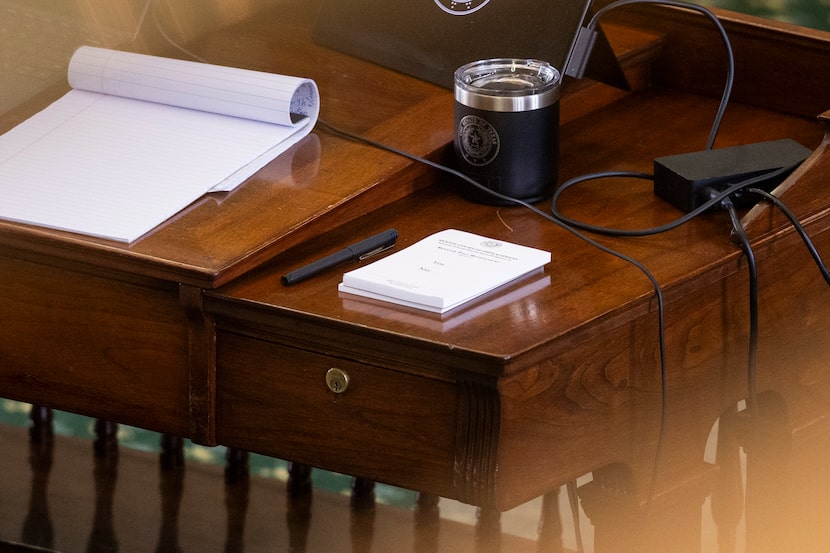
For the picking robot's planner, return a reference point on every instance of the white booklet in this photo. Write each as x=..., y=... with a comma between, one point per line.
x=139, y=138
x=444, y=271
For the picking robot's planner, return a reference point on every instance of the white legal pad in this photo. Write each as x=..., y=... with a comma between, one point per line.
x=443, y=271
x=139, y=138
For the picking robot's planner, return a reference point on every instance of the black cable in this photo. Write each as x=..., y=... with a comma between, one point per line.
x=458, y=174
x=724, y=102
x=572, y=226
x=797, y=226
x=574, y=231
x=655, y=284
x=730, y=75
x=151, y=5
x=753, y=302
x=715, y=200
x=727, y=92
x=658, y=291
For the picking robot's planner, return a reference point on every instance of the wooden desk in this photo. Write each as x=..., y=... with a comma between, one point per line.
x=116, y=331
x=183, y=334
x=556, y=376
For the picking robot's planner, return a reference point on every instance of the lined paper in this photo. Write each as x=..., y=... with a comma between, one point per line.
x=139, y=138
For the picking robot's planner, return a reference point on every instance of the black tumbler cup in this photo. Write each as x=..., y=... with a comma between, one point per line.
x=507, y=128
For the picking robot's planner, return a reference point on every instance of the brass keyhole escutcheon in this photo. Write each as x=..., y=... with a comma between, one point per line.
x=337, y=380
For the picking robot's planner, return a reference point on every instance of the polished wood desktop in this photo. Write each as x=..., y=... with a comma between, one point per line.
x=190, y=333
x=122, y=338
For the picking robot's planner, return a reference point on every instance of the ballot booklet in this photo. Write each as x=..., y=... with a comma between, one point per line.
x=139, y=138
x=444, y=271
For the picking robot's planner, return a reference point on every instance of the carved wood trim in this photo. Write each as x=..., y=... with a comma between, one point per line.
x=805, y=193
x=476, y=460
x=201, y=334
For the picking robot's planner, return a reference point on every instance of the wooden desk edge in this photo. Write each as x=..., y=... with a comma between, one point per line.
x=799, y=45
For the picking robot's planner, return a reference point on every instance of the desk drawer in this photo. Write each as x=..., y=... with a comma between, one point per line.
x=95, y=345
x=386, y=425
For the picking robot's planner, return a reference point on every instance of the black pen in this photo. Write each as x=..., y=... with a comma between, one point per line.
x=364, y=248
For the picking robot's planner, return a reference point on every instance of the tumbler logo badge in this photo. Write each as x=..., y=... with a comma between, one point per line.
x=455, y=7
x=478, y=140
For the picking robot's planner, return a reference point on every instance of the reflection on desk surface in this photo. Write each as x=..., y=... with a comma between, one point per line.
x=761, y=487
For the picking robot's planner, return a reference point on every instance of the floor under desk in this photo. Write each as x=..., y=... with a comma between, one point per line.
x=65, y=499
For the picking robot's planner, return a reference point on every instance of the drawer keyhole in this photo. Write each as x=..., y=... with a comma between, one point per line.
x=337, y=380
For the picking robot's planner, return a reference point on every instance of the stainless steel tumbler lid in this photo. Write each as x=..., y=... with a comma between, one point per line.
x=507, y=85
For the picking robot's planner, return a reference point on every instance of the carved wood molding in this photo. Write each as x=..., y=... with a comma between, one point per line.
x=201, y=366
x=476, y=461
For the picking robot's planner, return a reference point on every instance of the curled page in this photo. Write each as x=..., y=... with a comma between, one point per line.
x=217, y=89
x=139, y=138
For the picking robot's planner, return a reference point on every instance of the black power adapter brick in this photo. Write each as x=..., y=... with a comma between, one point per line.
x=686, y=180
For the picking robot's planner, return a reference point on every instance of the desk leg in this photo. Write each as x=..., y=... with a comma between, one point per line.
x=171, y=489
x=299, y=481
x=612, y=506
x=38, y=528
x=363, y=494
x=298, y=509
x=103, y=537
x=488, y=530
x=41, y=429
x=237, y=493
x=106, y=438
x=236, y=467
x=427, y=523
x=172, y=452
x=363, y=515
x=362, y=530
x=550, y=524
x=633, y=517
